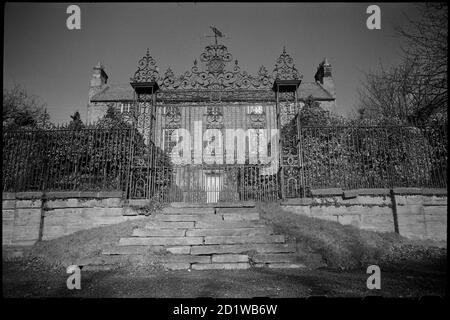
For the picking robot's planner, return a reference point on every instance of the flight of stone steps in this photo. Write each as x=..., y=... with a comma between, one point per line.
x=202, y=238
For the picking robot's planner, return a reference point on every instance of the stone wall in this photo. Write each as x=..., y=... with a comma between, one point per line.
x=412, y=212
x=21, y=218
x=31, y=216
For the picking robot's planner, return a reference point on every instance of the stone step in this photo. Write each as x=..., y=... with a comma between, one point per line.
x=179, y=250
x=236, y=210
x=228, y=258
x=243, y=248
x=229, y=232
x=187, y=210
x=162, y=259
x=170, y=217
x=158, y=232
x=186, y=217
x=169, y=225
x=140, y=250
x=244, y=239
x=160, y=241
x=281, y=265
x=177, y=265
x=228, y=224
x=274, y=258
x=220, y=266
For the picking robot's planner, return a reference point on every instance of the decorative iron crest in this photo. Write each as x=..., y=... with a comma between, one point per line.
x=173, y=117
x=285, y=68
x=257, y=117
x=216, y=57
x=147, y=70
x=216, y=75
x=214, y=118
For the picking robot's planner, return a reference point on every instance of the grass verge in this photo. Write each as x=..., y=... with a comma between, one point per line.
x=82, y=245
x=347, y=247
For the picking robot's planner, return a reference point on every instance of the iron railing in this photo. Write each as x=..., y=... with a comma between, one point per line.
x=347, y=157
x=353, y=157
x=65, y=160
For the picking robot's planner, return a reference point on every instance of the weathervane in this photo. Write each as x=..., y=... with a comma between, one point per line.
x=217, y=34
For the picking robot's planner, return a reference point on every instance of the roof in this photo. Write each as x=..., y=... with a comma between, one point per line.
x=314, y=89
x=124, y=92
x=115, y=93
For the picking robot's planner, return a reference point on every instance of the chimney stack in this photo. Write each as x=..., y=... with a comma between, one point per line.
x=323, y=76
x=98, y=80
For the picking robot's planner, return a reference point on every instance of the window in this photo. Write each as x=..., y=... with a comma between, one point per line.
x=125, y=107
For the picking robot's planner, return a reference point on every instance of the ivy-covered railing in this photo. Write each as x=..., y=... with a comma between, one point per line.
x=357, y=156
x=66, y=159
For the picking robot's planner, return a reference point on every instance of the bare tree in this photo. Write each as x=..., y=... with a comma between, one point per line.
x=21, y=109
x=415, y=90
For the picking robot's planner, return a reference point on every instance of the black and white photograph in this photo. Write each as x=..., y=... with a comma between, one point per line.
x=224, y=150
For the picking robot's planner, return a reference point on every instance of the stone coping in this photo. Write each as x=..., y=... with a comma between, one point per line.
x=421, y=191
x=378, y=191
x=348, y=194
x=61, y=195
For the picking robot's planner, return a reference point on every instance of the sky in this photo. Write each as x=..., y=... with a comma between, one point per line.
x=55, y=63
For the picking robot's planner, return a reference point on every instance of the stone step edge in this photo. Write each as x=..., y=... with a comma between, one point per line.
x=230, y=224
x=186, y=217
x=257, y=258
x=204, y=266
x=204, y=232
x=281, y=249
x=201, y=240
x=230, y=266
x=280, y=265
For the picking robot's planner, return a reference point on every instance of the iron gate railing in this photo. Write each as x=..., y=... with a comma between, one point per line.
x=209, y=153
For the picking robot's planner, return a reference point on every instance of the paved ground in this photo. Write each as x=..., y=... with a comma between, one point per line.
x=20, y=281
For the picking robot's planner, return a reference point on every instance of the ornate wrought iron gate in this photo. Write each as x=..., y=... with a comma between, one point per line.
x=214, y=135
x=202, y=152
